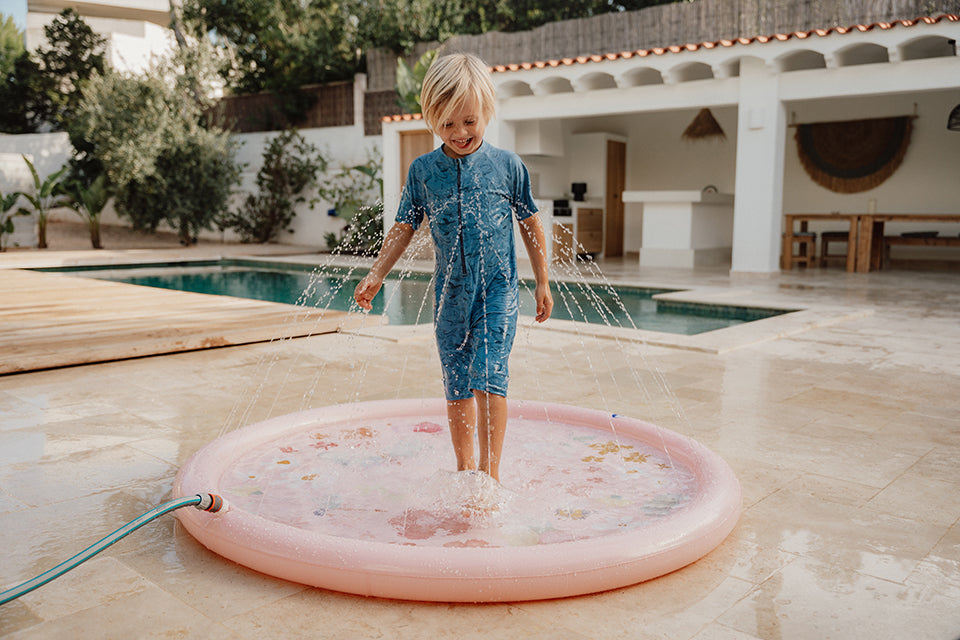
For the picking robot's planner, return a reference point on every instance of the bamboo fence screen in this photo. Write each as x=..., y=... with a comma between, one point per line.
x=331, y=105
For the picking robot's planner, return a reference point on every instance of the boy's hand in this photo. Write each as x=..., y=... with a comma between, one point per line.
x=544, y=302
x=367, y=290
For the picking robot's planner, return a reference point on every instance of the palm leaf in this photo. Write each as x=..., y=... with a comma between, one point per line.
x=33, y=171
x=50, y=184
x=7, y=201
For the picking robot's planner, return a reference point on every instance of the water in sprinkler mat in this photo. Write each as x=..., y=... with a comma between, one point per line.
x=383, y=479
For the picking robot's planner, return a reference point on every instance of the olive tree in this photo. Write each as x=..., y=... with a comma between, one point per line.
x=148, y=133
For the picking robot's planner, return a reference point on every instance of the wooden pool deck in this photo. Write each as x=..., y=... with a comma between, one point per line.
x=50, y=320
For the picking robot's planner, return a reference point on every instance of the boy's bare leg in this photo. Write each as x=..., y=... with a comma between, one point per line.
x=462, y=416
x=492, y=423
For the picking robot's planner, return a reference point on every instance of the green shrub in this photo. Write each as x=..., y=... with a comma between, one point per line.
x=290, y=165
x=165, y=166
x=362, y=236
x=357, y=195
x=7, y=215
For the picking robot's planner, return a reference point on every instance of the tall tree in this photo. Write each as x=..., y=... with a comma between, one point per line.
x=279, y=44
x=44, y=89
x=11, y=45
x=25, y=106
x=73, y=53
x=397, y=25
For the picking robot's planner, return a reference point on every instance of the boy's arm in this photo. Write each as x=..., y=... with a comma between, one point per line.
x=394, y=244
x=533, y=238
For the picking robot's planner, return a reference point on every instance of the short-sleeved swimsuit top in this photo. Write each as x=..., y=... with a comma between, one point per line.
x=470, y=203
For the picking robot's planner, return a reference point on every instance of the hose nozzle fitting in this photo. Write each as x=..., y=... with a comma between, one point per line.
x=209, y=502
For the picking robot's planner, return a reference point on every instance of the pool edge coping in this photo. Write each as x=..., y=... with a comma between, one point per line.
x=798, y=318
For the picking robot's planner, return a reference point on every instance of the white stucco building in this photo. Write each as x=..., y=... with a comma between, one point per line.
x=562, y=115
x=136, y=30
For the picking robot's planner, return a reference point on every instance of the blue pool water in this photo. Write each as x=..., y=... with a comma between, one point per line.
x=410, y=300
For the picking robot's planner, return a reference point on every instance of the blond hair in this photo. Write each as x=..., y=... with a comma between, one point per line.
x=452, y=82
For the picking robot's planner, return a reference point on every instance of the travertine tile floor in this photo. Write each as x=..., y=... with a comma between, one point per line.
x=845, y=437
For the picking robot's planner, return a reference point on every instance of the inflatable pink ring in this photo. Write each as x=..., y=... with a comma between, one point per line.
x=464, y=573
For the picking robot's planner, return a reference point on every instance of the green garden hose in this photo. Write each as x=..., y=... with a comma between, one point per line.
x=205, y=502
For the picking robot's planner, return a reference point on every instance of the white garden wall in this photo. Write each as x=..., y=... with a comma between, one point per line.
x=340, y=145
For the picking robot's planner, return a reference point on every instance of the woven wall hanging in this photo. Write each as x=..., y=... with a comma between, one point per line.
x=854, y=155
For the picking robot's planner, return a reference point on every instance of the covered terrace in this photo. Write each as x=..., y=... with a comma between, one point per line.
x=557, y=114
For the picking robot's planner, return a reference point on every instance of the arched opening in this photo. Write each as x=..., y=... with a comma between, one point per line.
x=928, y=47
x=641, y=77
x=800, y=61
x=858, y=54
x=730, y=69
x=596, y=81
x=553, y=85
x=514, y=89
x=691, y=71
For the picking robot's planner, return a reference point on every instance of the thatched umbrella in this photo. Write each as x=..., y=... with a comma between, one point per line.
x=704, y=126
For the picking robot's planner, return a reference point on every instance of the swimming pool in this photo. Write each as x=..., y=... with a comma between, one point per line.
x=410, y=300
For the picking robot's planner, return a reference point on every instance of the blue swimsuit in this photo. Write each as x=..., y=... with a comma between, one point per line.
x=470, y=203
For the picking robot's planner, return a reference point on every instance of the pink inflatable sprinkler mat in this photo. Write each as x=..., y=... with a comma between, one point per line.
x=355, y=498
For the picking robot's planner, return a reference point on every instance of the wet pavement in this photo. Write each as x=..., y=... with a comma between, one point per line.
x=844, y=433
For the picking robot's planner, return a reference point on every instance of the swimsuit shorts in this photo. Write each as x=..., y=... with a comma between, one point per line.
x=475, y=337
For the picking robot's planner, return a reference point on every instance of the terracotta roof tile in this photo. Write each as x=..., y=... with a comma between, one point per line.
x=659, y=51
x=403, y=116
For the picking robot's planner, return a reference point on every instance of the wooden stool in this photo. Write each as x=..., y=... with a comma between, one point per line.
x=806, y=255
x=832, y=236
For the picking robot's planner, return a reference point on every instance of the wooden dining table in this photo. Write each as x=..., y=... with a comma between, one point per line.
x=789, y=234
x=870, y=235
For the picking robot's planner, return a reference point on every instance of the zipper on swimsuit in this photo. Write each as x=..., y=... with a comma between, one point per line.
x=463, y=258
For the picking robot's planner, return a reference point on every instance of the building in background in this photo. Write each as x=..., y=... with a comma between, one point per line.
x=615, y=121
x=135, y=30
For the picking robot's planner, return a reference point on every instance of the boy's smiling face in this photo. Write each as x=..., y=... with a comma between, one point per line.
x=462, y=133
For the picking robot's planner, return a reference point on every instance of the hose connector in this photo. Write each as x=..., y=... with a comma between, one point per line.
x=209, y=502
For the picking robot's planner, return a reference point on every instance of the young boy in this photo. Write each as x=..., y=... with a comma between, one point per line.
x=469, y=191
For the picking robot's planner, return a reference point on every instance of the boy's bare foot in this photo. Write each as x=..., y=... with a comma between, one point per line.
x=479, y=493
